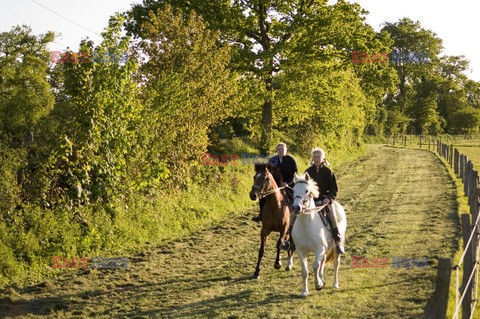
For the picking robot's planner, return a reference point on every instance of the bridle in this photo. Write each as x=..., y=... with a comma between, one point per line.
x=304, y=210
x=263, y=192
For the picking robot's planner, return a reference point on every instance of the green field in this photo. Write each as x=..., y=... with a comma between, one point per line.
x=395, y=207
x=473, y=153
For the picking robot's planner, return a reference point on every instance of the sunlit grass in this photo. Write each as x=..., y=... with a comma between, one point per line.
x=399, y=203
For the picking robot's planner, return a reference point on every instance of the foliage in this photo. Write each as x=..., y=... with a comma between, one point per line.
x=25, y=95
x=89, y=163
x=435, y=94
x=104, y=156
x=268, y=36
x=187, y=88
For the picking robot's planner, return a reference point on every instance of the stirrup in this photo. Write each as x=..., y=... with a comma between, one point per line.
x=285, y=246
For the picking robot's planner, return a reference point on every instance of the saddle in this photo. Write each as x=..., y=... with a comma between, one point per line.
x=288, y=192
x=324, y=217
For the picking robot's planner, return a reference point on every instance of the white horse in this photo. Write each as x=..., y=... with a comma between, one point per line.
x=310, y=233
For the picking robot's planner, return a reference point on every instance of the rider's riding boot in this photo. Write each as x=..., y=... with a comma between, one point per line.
x=336, y=234
x=259, y=216
x=338, y=241
x=289, y=195
x=292, y=221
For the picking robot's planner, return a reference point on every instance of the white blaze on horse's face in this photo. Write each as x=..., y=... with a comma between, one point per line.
x=301, y=195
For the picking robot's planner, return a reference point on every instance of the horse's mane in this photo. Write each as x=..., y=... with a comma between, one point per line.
x=312, y=185
x=274, y=170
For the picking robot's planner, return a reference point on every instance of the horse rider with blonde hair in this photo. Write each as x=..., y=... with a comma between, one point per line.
x=328, y=189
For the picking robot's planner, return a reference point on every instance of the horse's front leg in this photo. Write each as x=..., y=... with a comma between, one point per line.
x=303, y=263
x=336, y=266
x=318, y=266
x=263, y=240
x=290, y=255
x=278, y=263
x=282, y=243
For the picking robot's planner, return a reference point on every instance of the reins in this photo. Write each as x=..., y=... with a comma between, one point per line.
x=310, y=210
x=270, y=192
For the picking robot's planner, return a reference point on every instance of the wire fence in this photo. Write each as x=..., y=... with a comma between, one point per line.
x=466, y=293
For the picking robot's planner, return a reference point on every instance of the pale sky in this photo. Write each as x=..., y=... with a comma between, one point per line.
x=457, y=23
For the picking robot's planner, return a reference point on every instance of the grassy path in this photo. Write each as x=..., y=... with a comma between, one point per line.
x=400, y=202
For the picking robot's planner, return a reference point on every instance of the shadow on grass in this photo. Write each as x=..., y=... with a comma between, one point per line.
x=37, y=306
x=212, y=307
x=68, y=303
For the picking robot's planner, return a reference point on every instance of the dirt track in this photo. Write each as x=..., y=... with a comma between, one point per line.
x=399, y=202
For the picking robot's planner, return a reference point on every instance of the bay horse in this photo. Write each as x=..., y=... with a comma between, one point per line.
x=275, y=212
x=311, y=234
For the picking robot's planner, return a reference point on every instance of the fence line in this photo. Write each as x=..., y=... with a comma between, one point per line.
x=464, y=169
x=468, y=299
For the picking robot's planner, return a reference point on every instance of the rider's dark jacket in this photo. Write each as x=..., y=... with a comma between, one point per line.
x=326, y=181
x=288, y=167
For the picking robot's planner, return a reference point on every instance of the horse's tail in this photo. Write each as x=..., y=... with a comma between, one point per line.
x=330, y=255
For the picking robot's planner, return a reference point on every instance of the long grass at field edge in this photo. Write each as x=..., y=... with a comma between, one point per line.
x=462, y=204
x=145, y=222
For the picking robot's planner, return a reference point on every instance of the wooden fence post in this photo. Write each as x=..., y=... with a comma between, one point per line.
x=451, y=155
x=455, y=162
x=437, y=306
x=465, y=164
x=461, y=167
x=467, y=177
x=472, y=198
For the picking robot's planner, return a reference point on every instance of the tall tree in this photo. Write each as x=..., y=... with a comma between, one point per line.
x=415, y=87
x=89, y=162
x=187, y=88
x=265, y=33
x=25, y=94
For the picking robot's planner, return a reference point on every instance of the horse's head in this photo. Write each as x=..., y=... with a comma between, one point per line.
x=261, y=181
x=304, y=190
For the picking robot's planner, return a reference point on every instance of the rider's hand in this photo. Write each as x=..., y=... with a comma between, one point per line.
x=326, y=201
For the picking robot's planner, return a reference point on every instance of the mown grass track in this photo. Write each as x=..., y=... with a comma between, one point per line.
x=400, y=202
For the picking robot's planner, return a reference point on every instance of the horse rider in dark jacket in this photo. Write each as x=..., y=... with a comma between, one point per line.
x=327, y=186
x=288, y=168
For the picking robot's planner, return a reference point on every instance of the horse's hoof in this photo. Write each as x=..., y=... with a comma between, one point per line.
x=256, y=276
x=304, y=294
x=288, y=268
x=336, y=286
x=319, y=286
x=278, y=266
